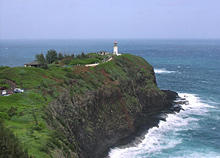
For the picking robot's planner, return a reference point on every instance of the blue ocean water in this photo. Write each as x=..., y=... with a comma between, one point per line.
x=190, y=67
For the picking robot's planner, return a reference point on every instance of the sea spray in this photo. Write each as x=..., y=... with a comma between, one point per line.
x=168, y=134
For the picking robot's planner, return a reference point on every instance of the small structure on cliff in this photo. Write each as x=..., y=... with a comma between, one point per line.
x=32, y=64
x=103, y=53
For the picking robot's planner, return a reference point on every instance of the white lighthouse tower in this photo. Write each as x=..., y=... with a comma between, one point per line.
x=115, y=48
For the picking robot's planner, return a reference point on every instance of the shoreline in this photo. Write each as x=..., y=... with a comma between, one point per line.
x=142, y=129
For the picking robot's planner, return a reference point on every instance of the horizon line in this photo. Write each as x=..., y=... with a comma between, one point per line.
x=109, y=39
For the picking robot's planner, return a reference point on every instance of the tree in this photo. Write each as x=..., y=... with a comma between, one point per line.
x=41, y=60
x=78, y=56
x=83, y=55
x=60, y=56
x=66, y=55
x=72, y=55
x=51, y=56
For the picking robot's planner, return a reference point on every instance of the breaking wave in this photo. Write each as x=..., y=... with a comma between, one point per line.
x=168, y=134
x=163, y=71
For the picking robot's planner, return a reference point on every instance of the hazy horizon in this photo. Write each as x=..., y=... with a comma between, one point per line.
x=114, y=39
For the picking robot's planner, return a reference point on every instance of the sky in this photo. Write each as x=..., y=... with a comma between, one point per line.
x=109, y=19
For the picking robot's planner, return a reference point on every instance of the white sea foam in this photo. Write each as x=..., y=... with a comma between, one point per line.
x=163, y=71
x=165, y=136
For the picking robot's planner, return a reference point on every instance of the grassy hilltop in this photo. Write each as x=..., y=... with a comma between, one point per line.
x=39, y=132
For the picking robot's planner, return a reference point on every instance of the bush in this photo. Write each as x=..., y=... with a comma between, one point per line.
x=4, y=83
x=71, y=75
x=9, y=144
x=67, y=61
x=4, y=115
x=12, y=111
x=3, y=67
x=83, y=61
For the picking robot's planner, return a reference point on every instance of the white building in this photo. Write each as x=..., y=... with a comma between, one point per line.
x=115, y=48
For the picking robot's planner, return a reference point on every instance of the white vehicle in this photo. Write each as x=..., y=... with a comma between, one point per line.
x=4, y=92
x=18, y=90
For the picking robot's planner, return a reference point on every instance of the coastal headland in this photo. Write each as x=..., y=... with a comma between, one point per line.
x=80, y=111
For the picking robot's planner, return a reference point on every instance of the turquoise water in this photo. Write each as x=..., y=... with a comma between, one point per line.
x=190, y=67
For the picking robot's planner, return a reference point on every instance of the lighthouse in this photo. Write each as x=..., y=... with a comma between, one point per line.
x=115, y=48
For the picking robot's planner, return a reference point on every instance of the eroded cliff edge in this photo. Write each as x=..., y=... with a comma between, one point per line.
x=100, y=106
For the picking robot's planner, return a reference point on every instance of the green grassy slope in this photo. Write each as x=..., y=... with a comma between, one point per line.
x=25, y=113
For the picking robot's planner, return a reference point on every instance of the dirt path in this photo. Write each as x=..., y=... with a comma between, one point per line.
x=93, y=65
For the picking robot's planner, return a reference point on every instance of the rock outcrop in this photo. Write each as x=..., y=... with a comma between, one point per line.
x=101, y=107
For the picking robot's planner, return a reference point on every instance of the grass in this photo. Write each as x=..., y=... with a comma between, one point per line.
x=90, y=58
x=83, y=61
x=18, y=110
x=3, y=67
x=97, y=56
x=24, y=113
x=4, y=83
x=31, y=77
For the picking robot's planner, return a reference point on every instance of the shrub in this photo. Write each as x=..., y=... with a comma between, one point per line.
x=67, y=61
x=4, y=115
x=9, y=144
x=3, y=67
x=4, y=83
x=83, y=61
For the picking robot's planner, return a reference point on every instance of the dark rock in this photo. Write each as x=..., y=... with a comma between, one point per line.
x=113, y=114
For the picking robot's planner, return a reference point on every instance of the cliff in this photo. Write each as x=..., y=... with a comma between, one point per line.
x=126, y=98
x=83, y=111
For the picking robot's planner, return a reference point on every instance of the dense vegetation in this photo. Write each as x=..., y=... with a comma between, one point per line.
x=64, y=59
x=26, y=114
x=10, y=145
x=4, y=83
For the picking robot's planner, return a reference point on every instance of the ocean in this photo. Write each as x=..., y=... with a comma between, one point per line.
x=189, y=67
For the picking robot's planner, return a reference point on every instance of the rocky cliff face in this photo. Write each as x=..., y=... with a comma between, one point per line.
x=117, y=99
